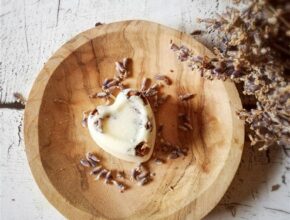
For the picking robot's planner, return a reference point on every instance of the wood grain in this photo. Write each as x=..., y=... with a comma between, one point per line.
x=55, y=140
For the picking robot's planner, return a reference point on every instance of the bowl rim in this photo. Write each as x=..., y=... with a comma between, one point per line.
x=31, y=123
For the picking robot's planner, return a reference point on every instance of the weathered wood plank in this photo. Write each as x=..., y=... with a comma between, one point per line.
x=20, y=197
x=31, y=30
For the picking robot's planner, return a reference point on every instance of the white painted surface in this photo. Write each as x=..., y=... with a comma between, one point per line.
x=31, y=30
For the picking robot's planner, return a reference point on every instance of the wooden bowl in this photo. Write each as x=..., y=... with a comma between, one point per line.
x=185, y=188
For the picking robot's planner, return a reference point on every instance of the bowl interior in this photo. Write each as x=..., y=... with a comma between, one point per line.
x=63, y=141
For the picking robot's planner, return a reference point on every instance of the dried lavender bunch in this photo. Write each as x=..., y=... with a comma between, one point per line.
x=254, y=51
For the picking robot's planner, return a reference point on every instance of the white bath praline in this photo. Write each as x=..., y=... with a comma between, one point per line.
x=126, y=129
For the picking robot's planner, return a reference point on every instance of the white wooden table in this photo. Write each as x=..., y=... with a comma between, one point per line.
x=31, y=30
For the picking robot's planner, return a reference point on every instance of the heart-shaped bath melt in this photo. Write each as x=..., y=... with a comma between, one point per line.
x=126, y=129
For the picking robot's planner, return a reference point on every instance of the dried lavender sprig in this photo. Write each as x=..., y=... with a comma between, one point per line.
x=186, y=97
x=164, y=78
x=96, y=170
x=19, y=98
x=85, y=163
x=144, y=84
x=99, y=125
x=92, y=157
x=101, y=174
x=99, y=95
x=121, y=187
x=144, y=181
x=258, y=57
